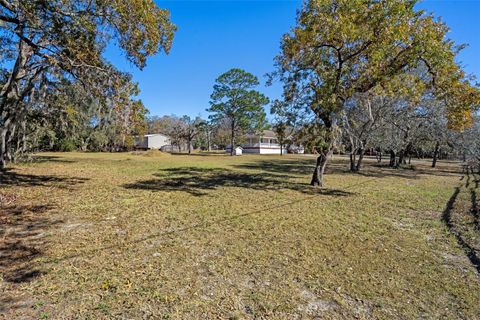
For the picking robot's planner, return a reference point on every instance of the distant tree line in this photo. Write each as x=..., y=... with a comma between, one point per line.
x=56, y=89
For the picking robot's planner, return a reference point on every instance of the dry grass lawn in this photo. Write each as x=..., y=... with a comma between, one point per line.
x=135, y=236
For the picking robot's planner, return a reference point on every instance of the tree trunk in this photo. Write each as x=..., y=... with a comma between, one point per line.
x=435, y=154
x=9, y=153
x=232, y=141
x=393, y=159
x=355, y=164
x=209, y=146
x=189, y=146
x=353, y=156
x=360, y=159
x=3, y=140
x=3, y=147
x=317, y=177
x=401, y=158
x=325, y=152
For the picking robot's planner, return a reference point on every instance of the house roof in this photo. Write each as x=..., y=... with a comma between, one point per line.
x=264, y=134
x=156, y=134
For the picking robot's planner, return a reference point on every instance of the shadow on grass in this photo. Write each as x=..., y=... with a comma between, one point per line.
x=56, y=159
x=340, y=166
x=199, y=181
x=12, y=178
x=447, y=219
x=22, y=238
x=302, y=167
x=201, y=154
x=169, y=233
x=474, y=210
x=24, y=231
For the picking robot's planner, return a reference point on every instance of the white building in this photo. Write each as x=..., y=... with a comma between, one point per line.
x=264, y=143
x=153, y=141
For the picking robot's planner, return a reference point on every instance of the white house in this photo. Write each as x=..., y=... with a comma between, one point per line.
x=153, y=141
x=264, y=143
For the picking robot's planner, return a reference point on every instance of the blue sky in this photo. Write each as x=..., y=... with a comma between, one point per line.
x=214, y=36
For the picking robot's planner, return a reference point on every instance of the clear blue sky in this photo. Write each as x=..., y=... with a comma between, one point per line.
x=214, y=36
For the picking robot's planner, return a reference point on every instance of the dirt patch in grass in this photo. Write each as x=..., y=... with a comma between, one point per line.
x=189, y=237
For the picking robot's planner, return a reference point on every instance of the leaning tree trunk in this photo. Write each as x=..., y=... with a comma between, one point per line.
x=360, y=159
x=435, y=154
x=325, y=152
x=317, y=177
x=356, y=164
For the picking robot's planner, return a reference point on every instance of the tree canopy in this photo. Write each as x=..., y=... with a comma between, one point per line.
x=341, y=48
x=46, y=43
x=235, y=99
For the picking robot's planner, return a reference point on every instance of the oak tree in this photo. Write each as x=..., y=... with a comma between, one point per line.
x=43, y=42
x=340, y=48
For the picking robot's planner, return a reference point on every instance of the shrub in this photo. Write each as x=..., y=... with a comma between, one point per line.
x=67, y=145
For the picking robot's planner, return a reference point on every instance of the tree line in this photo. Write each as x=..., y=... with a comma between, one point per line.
x=57, y=89
x=368, y=71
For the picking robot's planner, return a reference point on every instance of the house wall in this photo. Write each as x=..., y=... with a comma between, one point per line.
x=263, y=150
x=262, y=145
x=157, y=141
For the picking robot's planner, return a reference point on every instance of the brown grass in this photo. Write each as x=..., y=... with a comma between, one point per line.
x=93, y=236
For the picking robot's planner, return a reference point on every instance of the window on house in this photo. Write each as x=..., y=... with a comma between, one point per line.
x=265, y=140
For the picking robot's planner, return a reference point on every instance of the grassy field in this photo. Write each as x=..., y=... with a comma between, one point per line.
x=132, y=236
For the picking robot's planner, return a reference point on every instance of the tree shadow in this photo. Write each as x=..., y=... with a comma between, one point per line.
x=302, y=167
x=9, y=302
x=22, y=239
x=43, y=158
x=292, y=167
x=447, y=219
x=10, y=177
x=474, y=210
x=199, y=181
x=201, y=154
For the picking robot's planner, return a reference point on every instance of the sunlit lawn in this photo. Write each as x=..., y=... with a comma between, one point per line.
x=130, y=236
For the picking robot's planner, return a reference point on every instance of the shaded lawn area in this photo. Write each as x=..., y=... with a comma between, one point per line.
x=92, y=235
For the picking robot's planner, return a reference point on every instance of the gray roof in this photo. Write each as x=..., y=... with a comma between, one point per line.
x=156, y=134
x=263, y=134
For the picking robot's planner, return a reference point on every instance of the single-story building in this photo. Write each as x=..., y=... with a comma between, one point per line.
x=265, y=142
x=152, y=141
